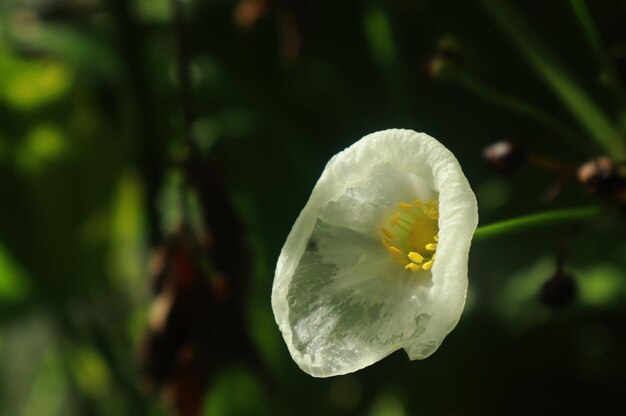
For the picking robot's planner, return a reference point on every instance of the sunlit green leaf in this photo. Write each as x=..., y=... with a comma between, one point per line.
x=14, y=284
x=126, y=234
x=602, y=285
x=91, y=372
x=28, y=84
x=225, y=398
x=43, y=144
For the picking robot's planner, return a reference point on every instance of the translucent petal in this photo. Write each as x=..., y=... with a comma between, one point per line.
x=348, y=302
x=374, y=198
x=338, y=298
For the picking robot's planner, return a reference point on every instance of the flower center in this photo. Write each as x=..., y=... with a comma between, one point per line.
x=412, y=234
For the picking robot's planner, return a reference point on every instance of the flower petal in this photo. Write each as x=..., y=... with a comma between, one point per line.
x=349, y=303
x=374, y=198
x=338, y=298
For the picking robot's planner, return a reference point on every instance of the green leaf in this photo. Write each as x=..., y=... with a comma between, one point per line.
x=14, y=284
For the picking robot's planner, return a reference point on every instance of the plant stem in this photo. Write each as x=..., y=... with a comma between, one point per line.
x=521, y=107
x=557, y=216
x=545, y=64
x=579, y=7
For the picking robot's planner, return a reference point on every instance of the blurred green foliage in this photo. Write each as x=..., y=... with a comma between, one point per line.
x=91, y=131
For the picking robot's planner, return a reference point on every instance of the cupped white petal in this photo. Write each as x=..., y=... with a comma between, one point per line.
x=373, y=196
x=340, y=301
x=339, y=309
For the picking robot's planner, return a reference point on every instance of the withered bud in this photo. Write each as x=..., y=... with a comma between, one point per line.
x=602, y=176
x=248, y=12
x=504, y=157
x=559, y=290
x=446, y=56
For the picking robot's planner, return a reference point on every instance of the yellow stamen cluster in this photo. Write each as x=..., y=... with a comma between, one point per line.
x=412, y=234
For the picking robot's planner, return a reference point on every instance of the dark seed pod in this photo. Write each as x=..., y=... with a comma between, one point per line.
x=603, y=176
x=559, y=291
x=504, y=157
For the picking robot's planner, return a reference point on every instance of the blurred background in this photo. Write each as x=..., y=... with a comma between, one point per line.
x=154, y=155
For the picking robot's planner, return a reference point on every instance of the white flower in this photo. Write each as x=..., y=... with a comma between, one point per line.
x=377, y=259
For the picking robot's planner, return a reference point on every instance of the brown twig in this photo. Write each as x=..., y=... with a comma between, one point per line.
x=212, y=314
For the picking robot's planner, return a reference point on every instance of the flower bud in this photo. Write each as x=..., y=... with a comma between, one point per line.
x=559, y=291
x=446, y=57
x=504, y=156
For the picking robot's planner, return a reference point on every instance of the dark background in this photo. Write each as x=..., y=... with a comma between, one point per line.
x=100, y=164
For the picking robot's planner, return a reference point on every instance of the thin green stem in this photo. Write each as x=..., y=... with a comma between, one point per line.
x=557, y=216
x=562, y=131
x=554, y=74
x=589, y=28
